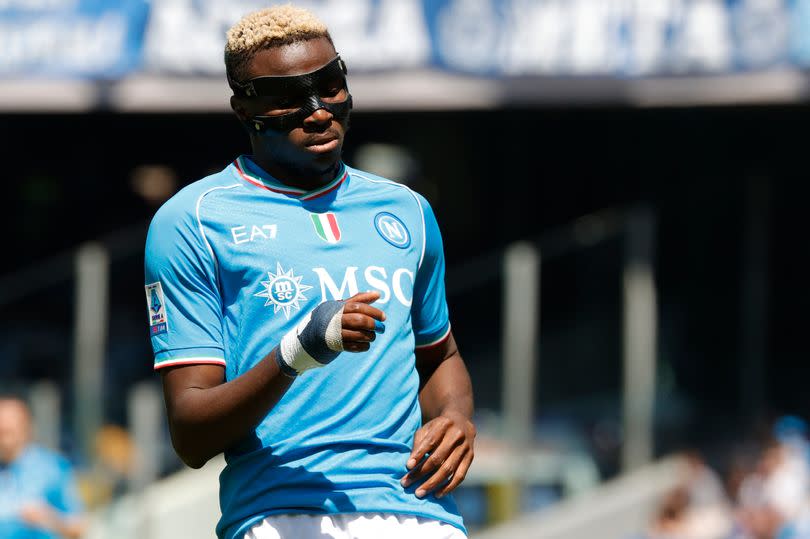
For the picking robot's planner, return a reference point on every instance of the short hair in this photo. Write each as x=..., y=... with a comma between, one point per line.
x=272, y=27
x=14, y=394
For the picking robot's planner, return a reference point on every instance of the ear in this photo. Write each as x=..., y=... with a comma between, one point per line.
x=239, y=108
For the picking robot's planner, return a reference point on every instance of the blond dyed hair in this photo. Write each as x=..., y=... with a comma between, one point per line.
x=272, y=27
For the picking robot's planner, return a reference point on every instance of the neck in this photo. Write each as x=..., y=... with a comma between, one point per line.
x=307, y=178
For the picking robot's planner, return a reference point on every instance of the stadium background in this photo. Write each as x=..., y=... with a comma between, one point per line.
x=516, y=119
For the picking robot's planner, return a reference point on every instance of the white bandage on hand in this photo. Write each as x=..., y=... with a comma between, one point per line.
x=314, y=342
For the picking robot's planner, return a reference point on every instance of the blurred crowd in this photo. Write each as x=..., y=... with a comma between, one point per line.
x=759, y=493
x=42, y=494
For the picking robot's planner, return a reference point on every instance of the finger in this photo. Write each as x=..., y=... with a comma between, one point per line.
x=409, y=478
x=356, y=347
x=433, y=462
x=351, y=307
x=440, y=475
x=423, y=441
x=357, y=336
x=358, y=321
x=431, y=435
x=458, y=475
x=369, y=296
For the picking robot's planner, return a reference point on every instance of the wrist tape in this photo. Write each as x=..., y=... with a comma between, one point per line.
x=314, y=342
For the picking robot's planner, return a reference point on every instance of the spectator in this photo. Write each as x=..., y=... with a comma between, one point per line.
x=111, y=473
x=696, y=508
x=773, y=498
x=709, y=513
x=779, y=484
x=791, y=432
x=38, y=495
x=671, y=518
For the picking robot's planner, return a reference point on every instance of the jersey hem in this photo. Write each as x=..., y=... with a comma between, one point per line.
x=214, y=351
x=189, y=361
x=239, y=531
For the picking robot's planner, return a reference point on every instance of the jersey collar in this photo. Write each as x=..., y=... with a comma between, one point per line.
x=251, y=173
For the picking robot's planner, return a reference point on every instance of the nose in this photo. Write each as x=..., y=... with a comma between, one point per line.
x=319, y=115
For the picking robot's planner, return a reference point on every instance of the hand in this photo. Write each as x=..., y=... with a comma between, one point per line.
x=329, y=329
x=448, y=439
x=44, y=517
x=38, y=515
x=361, y=322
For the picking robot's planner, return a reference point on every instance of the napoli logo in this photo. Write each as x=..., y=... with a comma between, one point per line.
x=283, y=291
x=392, y=230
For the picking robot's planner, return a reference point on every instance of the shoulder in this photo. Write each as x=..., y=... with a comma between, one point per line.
x=384, y=187
x=380, y=185
x=42, y=460
x=185, y=205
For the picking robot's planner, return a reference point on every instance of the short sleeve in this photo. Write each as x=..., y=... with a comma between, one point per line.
x=429, y=314
x=182, y=297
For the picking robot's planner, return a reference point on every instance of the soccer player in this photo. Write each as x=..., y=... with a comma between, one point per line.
x=298, y=316
x=38, y=495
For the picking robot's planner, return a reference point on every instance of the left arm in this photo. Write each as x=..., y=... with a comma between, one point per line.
x=443, y=447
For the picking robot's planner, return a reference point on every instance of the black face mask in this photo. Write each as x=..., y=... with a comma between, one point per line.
x=307, y=89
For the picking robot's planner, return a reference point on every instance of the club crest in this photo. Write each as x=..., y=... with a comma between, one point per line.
x=392, y=229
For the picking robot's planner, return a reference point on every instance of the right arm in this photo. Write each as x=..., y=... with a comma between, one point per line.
x=208, y=415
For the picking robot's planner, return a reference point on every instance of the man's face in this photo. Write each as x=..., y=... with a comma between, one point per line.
x=317, y=143
x=15, y=429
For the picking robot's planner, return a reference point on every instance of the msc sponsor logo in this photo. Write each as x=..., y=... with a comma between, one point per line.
x=283, y=290
x=392, y=230
x=394, y=284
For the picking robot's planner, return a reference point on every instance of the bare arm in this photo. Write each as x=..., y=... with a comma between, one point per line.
x=445, y=384
x=43, y=516
x=448, y=433
x=207, y=415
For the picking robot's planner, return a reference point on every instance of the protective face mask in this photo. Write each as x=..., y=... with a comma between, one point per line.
x=309, y=91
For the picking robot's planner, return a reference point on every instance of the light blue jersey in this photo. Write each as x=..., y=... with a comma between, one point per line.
x=234, y=261
x=37, y=476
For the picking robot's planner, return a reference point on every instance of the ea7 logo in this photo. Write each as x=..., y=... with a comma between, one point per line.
x=397, y=283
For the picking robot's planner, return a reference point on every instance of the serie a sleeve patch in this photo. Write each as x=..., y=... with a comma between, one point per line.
x=156, y=307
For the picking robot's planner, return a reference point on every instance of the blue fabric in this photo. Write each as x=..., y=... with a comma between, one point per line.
x=37, y=476
x=239, y=264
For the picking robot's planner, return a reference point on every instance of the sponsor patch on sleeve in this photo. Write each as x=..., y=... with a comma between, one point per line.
x=155, y=304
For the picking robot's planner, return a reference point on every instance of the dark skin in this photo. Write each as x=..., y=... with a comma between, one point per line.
x=207, y=415
x=446, y=399
x=297, y=158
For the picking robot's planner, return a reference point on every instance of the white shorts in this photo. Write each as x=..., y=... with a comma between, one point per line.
x=352, y=526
